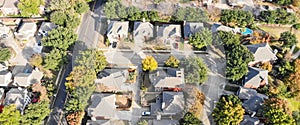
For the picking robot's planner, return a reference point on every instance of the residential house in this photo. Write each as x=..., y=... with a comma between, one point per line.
x=117, y=31
x=255, y=78
x=107, y=107
x=4, y=31
x=170, y=103
x=262, y=53
x=241, y=3
x=45, y=28
x=18, y=97
x=5, y=78
x=26, y=31
x=169, y=34
x=191, y=28
x=9, y=7
x=27, y=77
x=2, y=95
x=252, y=101
x=113, y=80
x=108, y=122
x=172, y=79
x=248, y=120
x=143, y=31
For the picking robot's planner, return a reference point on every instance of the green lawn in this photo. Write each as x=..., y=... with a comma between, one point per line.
x=274, y=31
x=293, y=104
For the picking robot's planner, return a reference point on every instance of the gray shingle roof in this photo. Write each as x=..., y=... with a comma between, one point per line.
x=192, y=28
x=255, y=76
x=15, y=96
x=262, y=52
x=102, y=105
x=173, y=102
x=250, y=120
x=246, y=94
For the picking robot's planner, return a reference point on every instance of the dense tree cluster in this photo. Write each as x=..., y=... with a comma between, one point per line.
x=237, y=55
x=294, y=80
x=228, y=111
x=288, y=39
x=201, y=39
x=5, y=54
x=238, y=18
x=29, y=8
x=115, y=10
x=195, y=70
x=283, y=2
x=80, y=82
x=197, y=105
x=35, y=113
x=190, y=14
x=276, y=112
x=279, y=16
x=65, y=12
x=10, y=116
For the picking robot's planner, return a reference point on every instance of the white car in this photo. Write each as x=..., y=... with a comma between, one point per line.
x=146, y=113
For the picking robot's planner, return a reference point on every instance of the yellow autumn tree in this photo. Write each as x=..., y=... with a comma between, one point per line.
x=149, y=63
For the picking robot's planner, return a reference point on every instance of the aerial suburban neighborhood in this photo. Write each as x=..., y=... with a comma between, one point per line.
x=149, y=62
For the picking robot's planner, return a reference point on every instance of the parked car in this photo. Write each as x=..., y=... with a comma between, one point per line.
x=146, y=113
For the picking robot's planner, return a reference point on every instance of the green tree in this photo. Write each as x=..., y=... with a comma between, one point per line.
x=29, y=8
x=201, y=39
x=81, y=7
x=288, y=39
x=172, y=62
x=133, y=13
x=36, y=60
x=100, y=61
x=36, y=113
x=279, y=16
x=276, y=112
x=283, y=2
x=54, y=59
x=228, y=111
x=195, y=70
x=189, y=14
x=62, y=5
x=149, y=63
x=58, y=17
x=5, y=54
x=72, y=21
x=10, y=116
x=60, y=38
x=190, y=119
x=110, y=9
x=237, y=17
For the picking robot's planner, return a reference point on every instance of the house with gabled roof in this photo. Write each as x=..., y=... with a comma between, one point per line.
x=5, y=78
x=170, y=103
x=45, y=28
x=169, y=34
x=9, y=7
x=191, y=28
x=262, y=53
x=108, y=107
x=117, y=31
x=255, y=78
x=26, y=31
x=26, y=76
x=142, y=31
x=252, y=101
x=18, y=97
x=171, y=79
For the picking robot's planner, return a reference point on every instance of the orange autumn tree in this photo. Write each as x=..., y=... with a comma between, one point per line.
x=294, y=80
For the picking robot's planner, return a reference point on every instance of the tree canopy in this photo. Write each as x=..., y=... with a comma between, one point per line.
x=149, y=63
x=36, y=60
x=228, y=111
x=29, y=8
x=190, y=119
x=10, y=116
x=276, y=112
x=294, y=80
x=237, y=56
x=283, y=2
x=279, y=16
x=54, y=59
x=172, y=62
x=190, y=14
x=36, y=113
x=5, y=54
x=237, y=17
x=201, y=39
x=60, y=38
x=288, y=39
x=195, y=70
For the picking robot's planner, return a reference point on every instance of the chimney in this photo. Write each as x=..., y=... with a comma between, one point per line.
x=144, y=20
